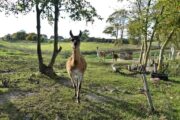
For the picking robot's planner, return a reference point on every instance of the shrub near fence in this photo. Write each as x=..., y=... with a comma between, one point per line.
x=174, y=68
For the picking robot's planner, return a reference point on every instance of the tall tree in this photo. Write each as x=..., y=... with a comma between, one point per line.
x=151, y=16
x=39, y=5
x=118, y=21
x=143, y=12
x=77, y=10
x=168, y=28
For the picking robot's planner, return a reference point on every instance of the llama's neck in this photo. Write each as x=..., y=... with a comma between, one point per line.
x=75, y=55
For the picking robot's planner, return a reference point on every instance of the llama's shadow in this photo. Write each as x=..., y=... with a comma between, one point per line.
x=65, y=81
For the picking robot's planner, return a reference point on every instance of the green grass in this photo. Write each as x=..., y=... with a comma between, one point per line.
x=41, y=97
x=85, y=46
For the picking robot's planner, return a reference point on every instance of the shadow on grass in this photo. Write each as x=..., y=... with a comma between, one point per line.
x=137, y=110
x=173, y=81
x=2, y=46
x=133, y=74
x=100, y=63
x=65, y=81
x=10, y=111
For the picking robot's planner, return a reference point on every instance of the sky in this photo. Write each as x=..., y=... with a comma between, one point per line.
x=11, y=24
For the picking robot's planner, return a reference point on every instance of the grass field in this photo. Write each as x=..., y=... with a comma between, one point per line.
x=105, y=95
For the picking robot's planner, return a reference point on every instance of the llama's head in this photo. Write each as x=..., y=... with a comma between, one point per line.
x=75, y=40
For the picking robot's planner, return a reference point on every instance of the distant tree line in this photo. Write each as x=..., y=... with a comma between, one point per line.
x=22, y=35
x=105, y=40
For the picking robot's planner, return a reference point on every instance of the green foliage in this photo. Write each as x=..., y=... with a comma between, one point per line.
x=134, y=32
x=76, y=9
x=110, y=30
x=118, y=21
x=21, y=35
x=31, y=37
x=134, y=41
x=174, y=68
x=7, y=37
x=118, y=17
x=169, y=20
x=85, y=35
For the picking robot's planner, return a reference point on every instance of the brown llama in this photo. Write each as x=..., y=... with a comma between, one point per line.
x=114, y=56
x=76, y=65
x=100, y=54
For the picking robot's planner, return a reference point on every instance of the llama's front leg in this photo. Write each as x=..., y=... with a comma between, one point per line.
x=75, y=89
x=78, y=92
x=72, y=80
x=79, y=89
x=99, y=59
x=103, y=59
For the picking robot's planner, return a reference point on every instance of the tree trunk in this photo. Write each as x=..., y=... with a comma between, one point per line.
x=162, y=50
x=56, y=50
x=117, y=32
x=145, y=54
x=152, y=37
x=148, y=47
x=42, y=67
x=172, y=53
x=39, y=53
x=147, y=93
x=141, y=54
x=122, y=35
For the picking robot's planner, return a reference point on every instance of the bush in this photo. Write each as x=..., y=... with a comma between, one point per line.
x=31, y=37
x=7, y=37
x=134, y=41
x=21, y=35
x=174, y=68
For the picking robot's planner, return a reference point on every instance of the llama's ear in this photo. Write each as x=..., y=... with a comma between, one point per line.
x=80, y=33
x=71, y=34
